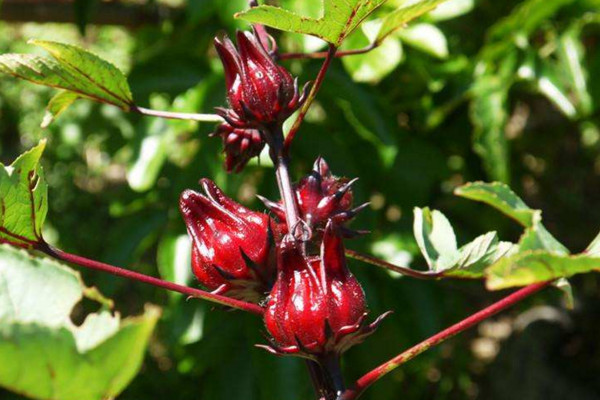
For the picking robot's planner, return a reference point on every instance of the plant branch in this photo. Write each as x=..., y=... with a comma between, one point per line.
x=386, y=265
x=177, y=115
x=311, y=97
x=125, y=273
x=323, y=54
x=374, y=375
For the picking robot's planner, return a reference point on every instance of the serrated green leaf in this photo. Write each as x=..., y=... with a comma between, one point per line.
x=45, y=356
x=435, y=238
x=479, y=254
x=406, y=13
x=536, y=266
x=57, y=105
x=426, y=37
x=72, y=69
x=23, y=199
x=340, y=18
x=501, y=197
x=538, y=238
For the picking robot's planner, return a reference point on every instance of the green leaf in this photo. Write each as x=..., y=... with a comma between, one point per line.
x=501, y=197
x=538, y=238
x=340, y=18
x=72, y=69
x=50, y=357
x=150, y=158
x=174, y=259
x=437, y=241
x=550, y=85
x=59, y=103
x=571, y=53
x=377, y=63
x=435, y=238
x=406, y=13
x=479, y=254
x=536, y=266
x=427, y=38
x=451, y=9
x=23, y=199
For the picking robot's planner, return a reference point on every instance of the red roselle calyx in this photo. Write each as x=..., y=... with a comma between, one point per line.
x=316, y=308
x=321, y=197
x=260, y=92
x=231, y=245
x=239, y=145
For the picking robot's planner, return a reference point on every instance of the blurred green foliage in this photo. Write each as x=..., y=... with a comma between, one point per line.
x=476, y=90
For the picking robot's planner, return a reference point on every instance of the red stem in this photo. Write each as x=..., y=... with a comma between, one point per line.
x=311, y=97
x=374, y=375
x=323, y=54
x=125, y=273
x=386, y=265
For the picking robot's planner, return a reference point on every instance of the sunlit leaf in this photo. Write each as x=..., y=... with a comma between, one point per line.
x=339, y=19
x=50, y=357
x=427, y=38
x=376, y=64
x=502, y=198
x=437, y=241
x=23, y=199
x=406, y=13
x=537, y=266
x=479, y=254
x=59, y=103
x=451, y=9
x=72, y=69
x=571, y=54
x=435, y=238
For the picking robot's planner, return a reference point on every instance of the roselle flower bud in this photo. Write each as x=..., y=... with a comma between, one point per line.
x=316, y=307
x=239, y=145
x=231, y=245
x=259, y=91
x=321, y=198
